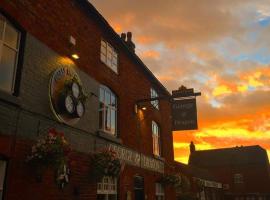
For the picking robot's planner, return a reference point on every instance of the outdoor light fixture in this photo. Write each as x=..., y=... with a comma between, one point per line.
x=141, y=107
x=75, y=56
x=72, y=43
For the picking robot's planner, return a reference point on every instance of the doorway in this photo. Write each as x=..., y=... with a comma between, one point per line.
x=139, y=187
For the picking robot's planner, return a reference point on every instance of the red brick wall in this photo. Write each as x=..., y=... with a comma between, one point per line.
x=53, y=23
x=256, y=178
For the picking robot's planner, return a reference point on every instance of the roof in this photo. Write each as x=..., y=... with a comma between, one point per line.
x=243, y=155
x=194, y=171
x=94, y=14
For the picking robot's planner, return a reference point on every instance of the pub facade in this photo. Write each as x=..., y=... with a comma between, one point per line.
x=64, y=71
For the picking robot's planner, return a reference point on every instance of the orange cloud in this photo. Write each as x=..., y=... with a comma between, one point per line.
x=150, y=54
x=221, y=90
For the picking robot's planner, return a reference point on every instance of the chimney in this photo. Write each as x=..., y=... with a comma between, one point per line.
x=129, y=42
x=123, y=37
x=192, y=147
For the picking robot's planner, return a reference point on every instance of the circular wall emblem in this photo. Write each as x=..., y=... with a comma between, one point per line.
x=66, y=95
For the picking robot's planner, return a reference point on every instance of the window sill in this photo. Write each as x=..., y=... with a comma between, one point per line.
x=8, y=98
x=109, y=137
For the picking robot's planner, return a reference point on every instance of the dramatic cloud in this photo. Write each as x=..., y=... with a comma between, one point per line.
x=220, y=48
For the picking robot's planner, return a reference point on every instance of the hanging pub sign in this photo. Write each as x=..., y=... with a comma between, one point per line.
x=184, y=114
x=66, y=95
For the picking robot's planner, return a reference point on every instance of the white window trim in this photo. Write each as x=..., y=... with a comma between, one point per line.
x=112, y=60
x=156, y=139
x=238, y=178
x=3, y=169
x=154, y=94
x=3, y=43
x=106, y=89
x=107, y=186
x=160, y=190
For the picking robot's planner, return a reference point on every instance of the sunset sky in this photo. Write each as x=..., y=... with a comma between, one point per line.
x=218, y=47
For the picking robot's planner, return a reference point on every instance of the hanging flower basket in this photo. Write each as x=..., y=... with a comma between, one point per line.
x=178, y=181
x=171, y=179
x=105, y=163
x=49, y=151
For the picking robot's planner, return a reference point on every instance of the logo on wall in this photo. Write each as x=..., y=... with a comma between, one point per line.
x=67, y=98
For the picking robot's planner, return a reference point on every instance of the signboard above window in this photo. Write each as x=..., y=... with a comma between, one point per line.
x=109, y=56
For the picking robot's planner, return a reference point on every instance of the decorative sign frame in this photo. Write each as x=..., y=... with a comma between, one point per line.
x=66, y=95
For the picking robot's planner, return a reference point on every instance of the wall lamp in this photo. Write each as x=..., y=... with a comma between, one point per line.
x=75, y=56
x=72, y=43
x=138, y=107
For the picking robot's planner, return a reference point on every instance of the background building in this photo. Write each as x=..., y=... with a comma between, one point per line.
x=244, y=170
x=37, y=38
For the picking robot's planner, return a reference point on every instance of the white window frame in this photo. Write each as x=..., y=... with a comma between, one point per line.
x=107, y=110
x=107, y=186
x=4, y=43
x=154, y=94
x=108, y=55
x=160, y=193
x=3, y=169
x=238, y=178
x=156, y=139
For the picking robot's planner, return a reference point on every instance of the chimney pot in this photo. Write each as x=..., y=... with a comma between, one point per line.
x=129, y=42
x=192, y=147
x=123, y=36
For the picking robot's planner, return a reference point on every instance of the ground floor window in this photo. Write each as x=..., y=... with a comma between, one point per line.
x=107, y=188
x=160, y=195
x=3, y=166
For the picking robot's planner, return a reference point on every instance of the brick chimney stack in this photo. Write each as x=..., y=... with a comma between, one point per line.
x=123, y=36
x=192, y=147
x=127, y=38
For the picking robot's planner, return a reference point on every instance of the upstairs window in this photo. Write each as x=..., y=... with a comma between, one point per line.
x=109, y=56
x=107, y=110
x=3, y=166
x=238, y=178
x=154, y=94
x=156, y=139
x=160, y=194
x=9, y=50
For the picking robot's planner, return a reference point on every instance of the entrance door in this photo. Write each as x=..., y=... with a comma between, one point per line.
x=139, y=188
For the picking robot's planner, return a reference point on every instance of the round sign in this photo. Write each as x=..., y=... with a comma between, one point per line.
x=66, y=95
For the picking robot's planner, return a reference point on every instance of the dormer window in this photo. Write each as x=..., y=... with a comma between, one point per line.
x=109, y=56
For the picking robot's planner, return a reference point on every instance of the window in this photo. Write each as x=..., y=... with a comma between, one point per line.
x=160, y=195
x=107, y=188
x=154, y=94
x=109, y=56
x=238, y=178
x=3, y=165
x=9, y=50
x=107, y=110
x=156, y=138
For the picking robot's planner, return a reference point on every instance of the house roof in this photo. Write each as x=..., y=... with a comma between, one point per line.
x=193, y=171
x=242, y=155
x=94, y=14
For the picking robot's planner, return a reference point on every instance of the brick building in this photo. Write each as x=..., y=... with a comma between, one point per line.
x=203, y=183
x=37, y=39
x=244, y=170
